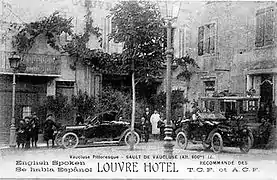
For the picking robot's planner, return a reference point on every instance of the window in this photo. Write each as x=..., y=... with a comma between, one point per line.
x=27, y=110
x=209, y=87
x=182, y=42
x=264, y=27
x=209, y=106
x=65, y=88
x=206, y=39
x=109, y=46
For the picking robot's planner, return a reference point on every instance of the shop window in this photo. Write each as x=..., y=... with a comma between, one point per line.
x=27, y=111
x=264, y=27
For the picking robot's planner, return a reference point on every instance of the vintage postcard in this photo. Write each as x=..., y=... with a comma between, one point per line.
x=135, y=89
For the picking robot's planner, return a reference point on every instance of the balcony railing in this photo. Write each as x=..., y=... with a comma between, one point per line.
x=38, y=64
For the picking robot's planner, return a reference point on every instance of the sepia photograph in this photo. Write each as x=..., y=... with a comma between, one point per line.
x=135, y=89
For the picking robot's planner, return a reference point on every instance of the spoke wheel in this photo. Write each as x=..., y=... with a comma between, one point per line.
x=217, y=143
x=131, y=138
x=70, y=140
x=182, y=140
x=246, y=144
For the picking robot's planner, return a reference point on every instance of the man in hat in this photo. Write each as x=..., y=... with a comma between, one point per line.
x=34, y=129
x=49, y=126
x=147, y=124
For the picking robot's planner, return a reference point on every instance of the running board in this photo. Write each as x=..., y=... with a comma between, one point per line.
x=99, y=144
x=104, y=142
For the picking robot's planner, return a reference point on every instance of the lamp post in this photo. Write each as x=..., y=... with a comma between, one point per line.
x=14, y=63
x=169, y=11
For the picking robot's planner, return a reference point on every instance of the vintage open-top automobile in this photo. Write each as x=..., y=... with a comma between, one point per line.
x=101, y=128
x=236, y=106
x=225, y=121
x=197, y=131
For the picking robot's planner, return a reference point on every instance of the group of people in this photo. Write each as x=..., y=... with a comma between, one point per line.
x=153, y=124
x=29, y=128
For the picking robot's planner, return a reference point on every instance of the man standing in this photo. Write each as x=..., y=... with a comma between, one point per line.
x=35, y=129
x=154, y=119
x=147, y=124
x=49, y=126
x=79, y=119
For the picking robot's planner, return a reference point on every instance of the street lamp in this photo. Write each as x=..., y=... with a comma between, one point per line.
x=14, y=63
x=169, y=11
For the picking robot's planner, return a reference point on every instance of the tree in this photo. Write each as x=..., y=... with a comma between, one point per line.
x=186, y=73
x=139, y=26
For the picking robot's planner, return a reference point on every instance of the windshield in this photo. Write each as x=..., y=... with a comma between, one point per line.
x=248, y=106
x=107, y=116
x=209, y=106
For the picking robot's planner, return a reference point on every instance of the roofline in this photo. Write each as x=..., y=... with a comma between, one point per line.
x=30, y=74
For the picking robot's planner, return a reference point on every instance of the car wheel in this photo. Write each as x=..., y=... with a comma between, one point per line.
x=182, y=140
x=58, y=139
x=131, y=138
x=217, y=143
x=246, y=144
x=70, y=140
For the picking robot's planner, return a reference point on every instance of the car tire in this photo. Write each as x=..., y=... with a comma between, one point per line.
x=70, y=140
x=246, y=144
x=182, y=140
x=128, y=136
x=217, y=143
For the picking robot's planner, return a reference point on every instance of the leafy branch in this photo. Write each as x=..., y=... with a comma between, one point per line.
x=51, y=26
x=184, y=63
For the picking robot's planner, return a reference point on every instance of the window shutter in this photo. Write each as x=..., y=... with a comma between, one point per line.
x=200, y=40
x=172, y=36
x=207, y=39
x=260, y=28
x=108, y=23
x=268, y=37
x=212, y=38
x=165, y=38
x=183, y=43
x=179, y=43
x=104, y=33
x=113, y=27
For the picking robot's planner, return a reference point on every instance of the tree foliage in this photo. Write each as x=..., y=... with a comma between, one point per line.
x=177, y=100
x=184, y=63
x=110, y=99
x=139, y=26
x=51, y=26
